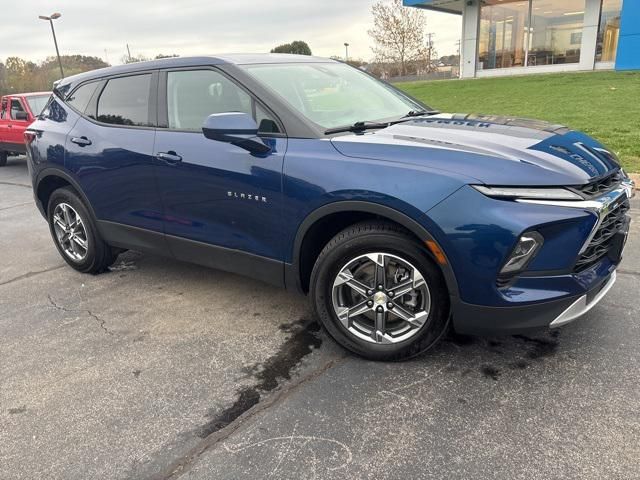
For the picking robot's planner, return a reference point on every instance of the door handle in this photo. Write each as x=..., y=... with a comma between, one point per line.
x=169, y=157
x=82, y=141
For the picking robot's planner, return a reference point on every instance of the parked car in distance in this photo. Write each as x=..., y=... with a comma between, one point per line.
x=16, y=113
x=307, y=173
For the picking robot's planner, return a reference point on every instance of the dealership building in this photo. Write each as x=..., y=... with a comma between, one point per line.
x=509, y=37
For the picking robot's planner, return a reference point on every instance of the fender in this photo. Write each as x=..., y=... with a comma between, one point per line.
x=56, y=172
x=293, y=272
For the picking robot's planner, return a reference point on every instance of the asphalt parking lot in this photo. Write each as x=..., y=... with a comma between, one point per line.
x=160, y=369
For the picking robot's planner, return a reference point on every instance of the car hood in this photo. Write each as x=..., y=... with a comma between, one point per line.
x=487, y=149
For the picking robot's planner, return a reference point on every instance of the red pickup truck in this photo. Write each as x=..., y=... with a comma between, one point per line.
x=16, y=113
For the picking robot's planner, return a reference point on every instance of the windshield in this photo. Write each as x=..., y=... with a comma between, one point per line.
x=333, y=94
x=37, y=103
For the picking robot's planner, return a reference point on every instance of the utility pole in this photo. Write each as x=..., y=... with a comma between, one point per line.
x=128, y=53
x=459, y=44
x=50, y=19
x=430, y=48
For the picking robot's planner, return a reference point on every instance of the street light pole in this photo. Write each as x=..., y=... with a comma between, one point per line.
x=346, y=52
x=50, y=19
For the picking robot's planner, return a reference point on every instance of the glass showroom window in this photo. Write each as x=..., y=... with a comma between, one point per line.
x=609, y=31
x=556, y=32
x=529, y=33
x=502, y=34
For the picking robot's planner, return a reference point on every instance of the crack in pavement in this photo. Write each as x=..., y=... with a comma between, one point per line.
x=16, y=206
x=15, y=184
x=622, y=271
x=100, y=321
x=180, y=466
x=31, y=274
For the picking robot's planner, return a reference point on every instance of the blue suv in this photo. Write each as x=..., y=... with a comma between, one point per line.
x=306, y=173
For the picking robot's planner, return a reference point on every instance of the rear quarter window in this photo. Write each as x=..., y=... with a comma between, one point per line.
x=125, y=101
x=79, y=99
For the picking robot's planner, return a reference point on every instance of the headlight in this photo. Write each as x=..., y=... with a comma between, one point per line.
x=527, y=193
x=524, y=251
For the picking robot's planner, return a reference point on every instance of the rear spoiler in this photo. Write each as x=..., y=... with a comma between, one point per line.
x=60, y=91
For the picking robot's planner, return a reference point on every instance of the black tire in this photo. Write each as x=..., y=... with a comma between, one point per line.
x=365, y=238
x=3, y=158
x=99, y=255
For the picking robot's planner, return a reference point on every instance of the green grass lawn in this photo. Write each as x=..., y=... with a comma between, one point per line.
x=605, y=105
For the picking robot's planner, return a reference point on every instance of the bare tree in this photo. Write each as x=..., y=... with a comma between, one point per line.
x=398, y=33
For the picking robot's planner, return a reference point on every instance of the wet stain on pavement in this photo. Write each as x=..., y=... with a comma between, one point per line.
x=517, y=351
x=491, y=372
x=136, y=373
x=18, y=410
x=247, y=398
x=302, y=341
x=519, y=365
x=541, y=347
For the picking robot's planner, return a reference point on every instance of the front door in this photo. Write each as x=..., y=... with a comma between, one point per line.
x=17, y=122
x=216, y=194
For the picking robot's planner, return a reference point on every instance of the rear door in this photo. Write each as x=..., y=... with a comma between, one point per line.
x=110, y=152
x=215, y=193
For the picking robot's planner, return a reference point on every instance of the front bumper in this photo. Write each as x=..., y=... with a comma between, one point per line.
x=555, y=289
x=583, y=304
x=482, y=320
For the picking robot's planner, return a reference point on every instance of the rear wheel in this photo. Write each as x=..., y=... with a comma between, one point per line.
x=3, y=158
x=378, y=293
x=75, y=234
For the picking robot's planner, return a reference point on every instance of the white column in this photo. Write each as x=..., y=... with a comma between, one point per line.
x=469, y=45
x=590, y=34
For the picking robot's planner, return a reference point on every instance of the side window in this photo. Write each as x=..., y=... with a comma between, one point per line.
x=125, y=101
x=16, y=106
x=193, y=95
x=80, y=97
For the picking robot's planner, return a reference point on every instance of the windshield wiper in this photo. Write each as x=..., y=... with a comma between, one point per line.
x=357, y=127
x=420, y=113
x=362, y=126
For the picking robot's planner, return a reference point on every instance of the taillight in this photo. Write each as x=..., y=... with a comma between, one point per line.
x=29, y=136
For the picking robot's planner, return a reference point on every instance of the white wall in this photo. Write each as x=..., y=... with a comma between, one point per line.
x=470, y=27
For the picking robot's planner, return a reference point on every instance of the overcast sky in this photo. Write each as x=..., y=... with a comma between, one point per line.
x=191, y=27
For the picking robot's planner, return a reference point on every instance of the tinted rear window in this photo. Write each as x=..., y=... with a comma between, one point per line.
x=80, y=97
x=125, y=101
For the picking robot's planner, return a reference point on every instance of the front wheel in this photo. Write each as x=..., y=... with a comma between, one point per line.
x=3, y=158
x=378, y=293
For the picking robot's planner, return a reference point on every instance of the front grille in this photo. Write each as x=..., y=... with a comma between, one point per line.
x=600, y=187
x=603, y=240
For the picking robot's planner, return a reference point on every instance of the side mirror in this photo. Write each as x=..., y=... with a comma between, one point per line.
x=22, y=116
x=237, y=129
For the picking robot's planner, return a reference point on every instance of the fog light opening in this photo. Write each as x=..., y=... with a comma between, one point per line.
x=524, y=251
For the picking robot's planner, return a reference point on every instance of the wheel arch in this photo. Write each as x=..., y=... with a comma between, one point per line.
x=49, y=180
x=297, y=273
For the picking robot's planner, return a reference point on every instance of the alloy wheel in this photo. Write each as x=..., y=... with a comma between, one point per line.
x=70, y=232
x=381, y=298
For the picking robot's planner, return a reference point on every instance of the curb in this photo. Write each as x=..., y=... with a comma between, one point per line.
x=636, y=179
